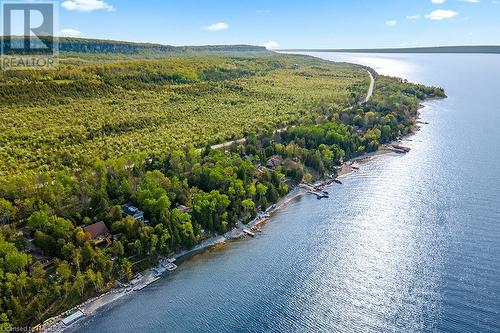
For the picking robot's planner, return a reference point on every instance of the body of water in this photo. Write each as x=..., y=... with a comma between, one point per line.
x=410, y=243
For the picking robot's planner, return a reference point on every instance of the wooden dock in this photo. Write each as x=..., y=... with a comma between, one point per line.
x=398, y=149
x=315, y=190
x=319, y=195
x=248, y=232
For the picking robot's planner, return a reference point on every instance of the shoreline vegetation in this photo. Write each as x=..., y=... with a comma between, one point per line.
x=67, y=231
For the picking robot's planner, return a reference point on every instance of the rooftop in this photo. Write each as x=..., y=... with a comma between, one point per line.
x=97, y=230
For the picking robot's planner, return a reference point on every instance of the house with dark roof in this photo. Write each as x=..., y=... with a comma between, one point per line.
x=44, y=260
x=274, y=161
x=130, y=210
x=98, y=232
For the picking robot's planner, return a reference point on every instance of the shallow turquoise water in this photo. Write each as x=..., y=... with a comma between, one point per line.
x=408, y=244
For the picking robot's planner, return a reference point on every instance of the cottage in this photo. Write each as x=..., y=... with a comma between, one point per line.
x=98, y=232
x=131, y=210
x=44, y=260
x=274, y=161
x=184, y=209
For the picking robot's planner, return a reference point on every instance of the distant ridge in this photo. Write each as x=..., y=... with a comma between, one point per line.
x=488, y=49
x=83, y=45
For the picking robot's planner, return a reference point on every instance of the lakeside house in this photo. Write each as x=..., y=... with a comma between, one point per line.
x=98, y=232
x=274, y=161
x=37, y=255
x=184, y=209
x=47, y=263
x=130, y=210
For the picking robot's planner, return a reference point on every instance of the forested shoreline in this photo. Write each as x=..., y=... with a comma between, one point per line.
x=44, y=207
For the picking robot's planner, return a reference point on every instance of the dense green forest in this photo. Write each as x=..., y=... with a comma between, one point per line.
x=119, y=49
x=79, y=142
x=68, y=118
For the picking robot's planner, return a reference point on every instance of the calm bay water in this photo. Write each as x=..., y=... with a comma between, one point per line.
x=408, y=244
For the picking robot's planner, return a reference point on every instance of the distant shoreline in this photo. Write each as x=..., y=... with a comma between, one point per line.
x=476, y=49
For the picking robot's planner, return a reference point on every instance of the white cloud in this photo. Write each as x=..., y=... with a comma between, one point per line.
x=263, y=11
x=413, y=17
x=391, y=23
x=471, y=1
x=86, y=5
x=219, y=26
x=70, y=32
x=271, y=45
x=441, y=14
x=438, y=2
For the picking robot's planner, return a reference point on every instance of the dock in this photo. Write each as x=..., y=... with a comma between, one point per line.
x=319, y=195
x=73, y=318
x=398, y=149
x=248, y=232
x=318, y=191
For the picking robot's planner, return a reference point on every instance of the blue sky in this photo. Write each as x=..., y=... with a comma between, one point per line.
x=286, y=24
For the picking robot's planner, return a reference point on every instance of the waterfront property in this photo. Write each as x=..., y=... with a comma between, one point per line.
x=98, y=232
x=274, y=161
x=45, y=261
x=184, y=209
x=130, y=210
